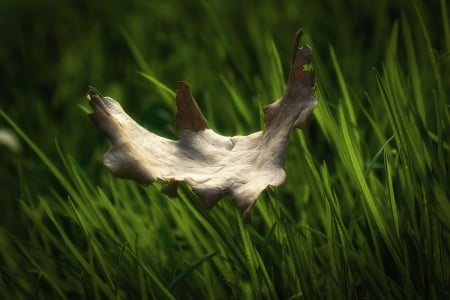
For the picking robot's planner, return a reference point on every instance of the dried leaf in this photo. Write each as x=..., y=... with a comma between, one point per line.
x=214, y=165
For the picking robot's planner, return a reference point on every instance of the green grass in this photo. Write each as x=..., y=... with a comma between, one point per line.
x=364, y=212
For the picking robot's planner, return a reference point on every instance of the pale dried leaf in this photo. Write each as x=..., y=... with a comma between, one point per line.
x=214, y=165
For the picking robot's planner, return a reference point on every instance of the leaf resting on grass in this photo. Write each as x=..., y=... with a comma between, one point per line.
x=214, y=165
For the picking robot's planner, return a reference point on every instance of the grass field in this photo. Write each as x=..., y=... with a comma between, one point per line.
x=364, y=212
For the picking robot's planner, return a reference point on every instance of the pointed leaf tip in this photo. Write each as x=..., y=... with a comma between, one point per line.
x=189, y=115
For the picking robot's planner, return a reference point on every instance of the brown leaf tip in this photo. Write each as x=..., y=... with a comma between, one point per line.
x=189, y=115
x=301, y=70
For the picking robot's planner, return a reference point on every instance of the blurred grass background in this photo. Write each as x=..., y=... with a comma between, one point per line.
x=381, y=65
